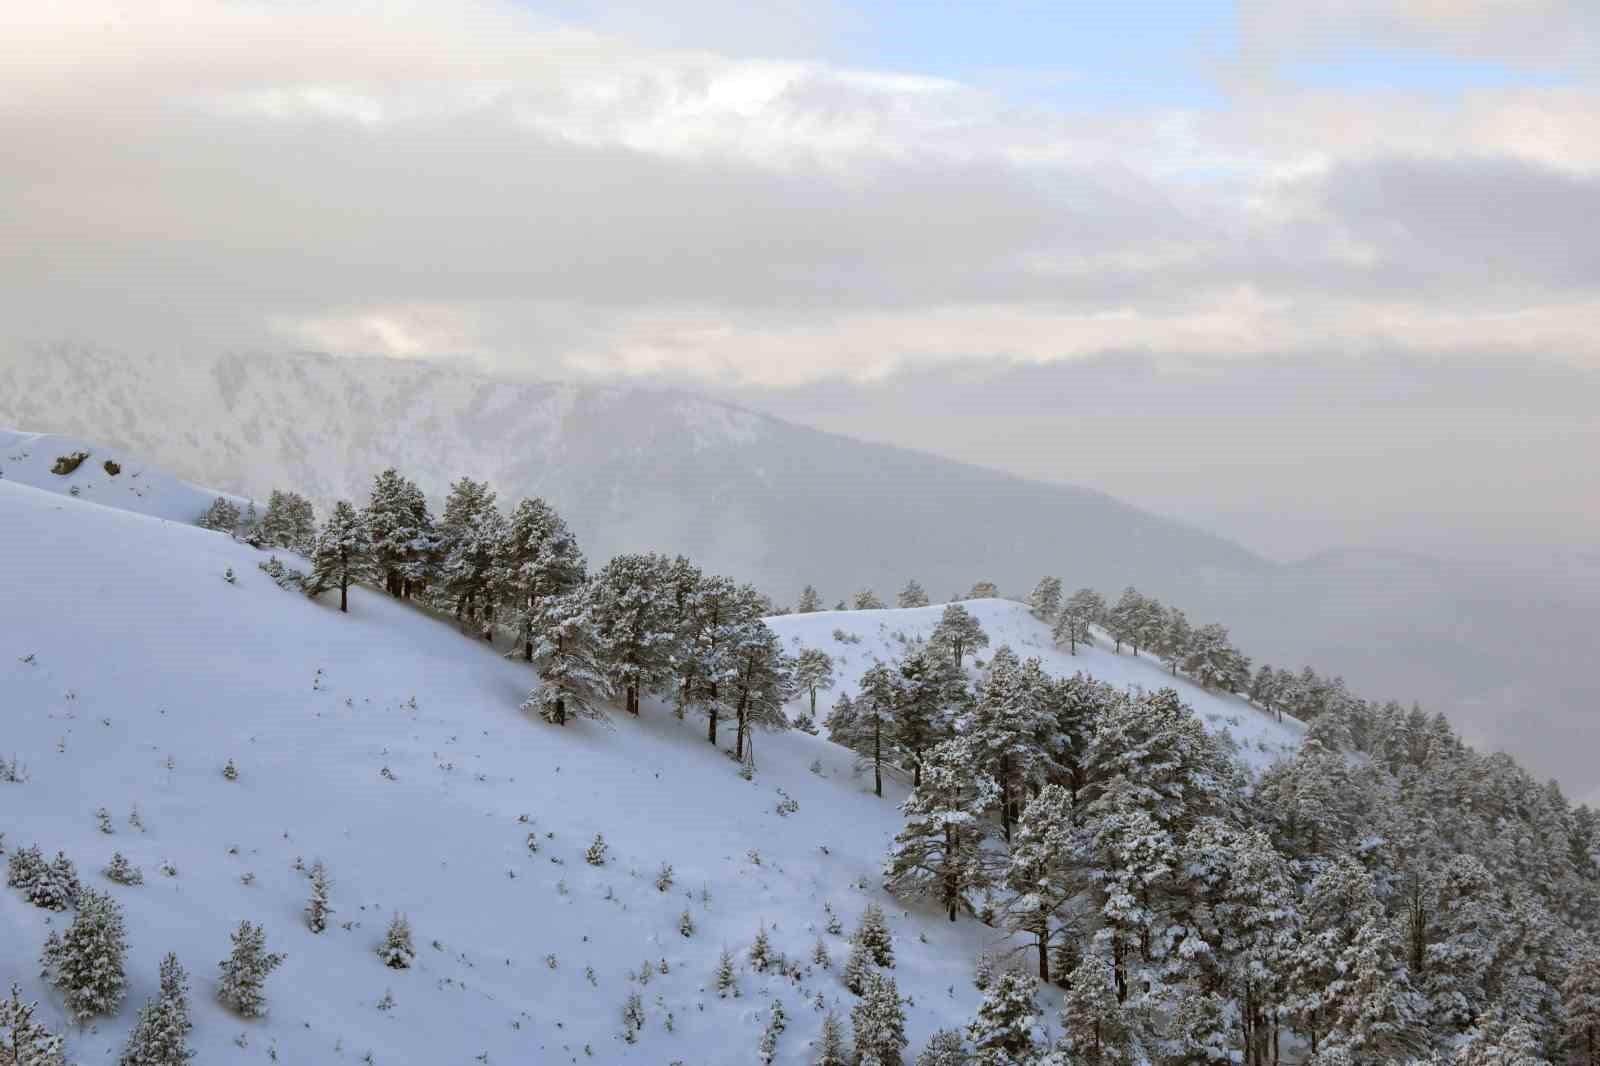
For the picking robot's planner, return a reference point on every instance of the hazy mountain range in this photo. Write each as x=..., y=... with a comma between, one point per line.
x=781, y=505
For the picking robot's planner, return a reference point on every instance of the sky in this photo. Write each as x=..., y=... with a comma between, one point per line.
x=1333, y=266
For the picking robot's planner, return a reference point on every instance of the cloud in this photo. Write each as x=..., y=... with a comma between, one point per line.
x=473, y=179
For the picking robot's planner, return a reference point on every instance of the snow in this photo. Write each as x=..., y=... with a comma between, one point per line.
x=140, y=651
x=882, y=636
x=122, y=647
x=26, y=458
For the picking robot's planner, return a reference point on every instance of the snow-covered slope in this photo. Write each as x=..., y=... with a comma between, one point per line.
x=27, y=459
x=131, y=671
x=857, y=639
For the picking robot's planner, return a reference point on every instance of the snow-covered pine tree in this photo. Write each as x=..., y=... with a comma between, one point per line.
x=761, y=950
x=1176, y=640
x=727, y=983
x=539, y=561
x=1042, y=875
x=1202, y=1030
x=718, y=614
x=873, y=934
x=1006, y=719
x=1122, y=619
x=596, y=855
x=958, y=632
x=122, y=871
x=471, y=530
x=820, y=956
x=290, y=521
x=1580, y=1000
x=1213, y=661
x=1002, y=1033
x=841, y=721
x=54, y=885
x=777, y=1022
x=243, y=977
x=761, y=682
x=1095, y=1025
x=343, y=554
x=946, y=1047
x=879, y=1023
x=635, y=624
x=397, y=951
x=813, y=673
x=857, y=965
x=222, y=516
x=1082, y=610
x=1045, y=599
x=940, y=851
x=912, y=595
x=88, y=964
x=871, y=735
x=810, y=602
x=25, y=1041
x=161, y=1035
x=830, y=1042
x=23, y=867
x=931, y=695
x=867, y=600
x=404, y=542
x=984, y=590
x=571, y=682
x=317, y=908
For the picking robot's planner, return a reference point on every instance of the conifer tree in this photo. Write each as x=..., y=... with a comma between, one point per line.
x=222, y=516
x=810, y=602
x=87, y=963
x=929, y=694
x=984, y=590
x=635, y=625
x=161, y=1035
x=24, y=1041
x=879, y=1023
x=539, y=562
x=912, y=595
x=857, y=965
x=813, y=673
x=777, y=1022
x=761, y=950
x=867, y=600
x=290, y=522
x=470, y=533
x=571, y=681
x=1045, y=599
x=726, y=982
x=1095, y=1028
x=342, y=556
x=317, y=908
x=1176, y=641
x=1006, y=718
x=404, y=542
x=1082, y=610
x=761, y=681
x=1002, y=1034
x=1580, y=998
x=841, y=721
x=958, y=632
x=946, y=1047
x=1042, y=874
x=830, y=1043
x=397, y=951
x=871, y=735
x=242, y=984
x=940, y=851
x=873, y=935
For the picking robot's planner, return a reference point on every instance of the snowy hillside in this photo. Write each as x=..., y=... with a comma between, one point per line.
x=107, y=476
x=857, y=639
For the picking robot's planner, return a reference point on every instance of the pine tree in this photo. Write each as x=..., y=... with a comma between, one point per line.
x=342, y=556
x=761, y=682
x=1580, y=998
x=88, y=964
x=686, y=924
x=563, y=652
x=810, y=602
x=596, y=855
x=24, y=1041
x=244, y=972
x=984, y=590
x=53, y=885
x=813, y=673
x=912, y=595
x=24, y=867
x=830, y=1043
x=123, y=872
x=841, y=721
x=161, y=1035
x=635, y=625
x=777, y=1022
x=471, y=530
x=317, y=909
x=1045, y=599
x=761, y=950
x=1082, y=610
x=726, y=982
x=946, y=1047
x=1002, y=1033
x=1042, y=875
x=290, y=521
x=867, y=600
x=820, y=956
x=1200, y=1030
x=539, y=561
x=222, y=516
x=1176, y=640
x=958, y=632
x=873, y=934
x=879, y=1022
x=929, y=695
x=1095, y=1028
x=1006, y=720
x=857, y=965
x=404, y=542
x=940, y=851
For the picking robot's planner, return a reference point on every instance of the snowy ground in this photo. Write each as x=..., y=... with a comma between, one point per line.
x=26, y=458
x=131, y=671
x=882, y=636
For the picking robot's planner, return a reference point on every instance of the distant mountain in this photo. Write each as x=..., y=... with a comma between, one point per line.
x=1506, y=655
x=631, y=468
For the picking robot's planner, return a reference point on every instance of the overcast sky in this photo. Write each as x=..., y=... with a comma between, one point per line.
x=1343, y=256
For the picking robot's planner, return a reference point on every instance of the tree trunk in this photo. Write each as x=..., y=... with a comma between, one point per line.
x=711, y=722
x=561, y=710
x=952, y=889
x=877, y=758
x=813, y=703
x=633, y=700
x=344, y=594
x=1005, y=797
x=1043, y=935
